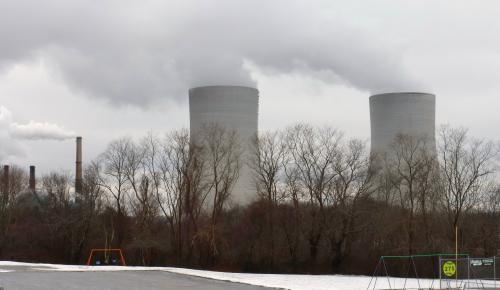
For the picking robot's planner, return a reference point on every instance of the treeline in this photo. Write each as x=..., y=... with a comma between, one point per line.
x=323, y=204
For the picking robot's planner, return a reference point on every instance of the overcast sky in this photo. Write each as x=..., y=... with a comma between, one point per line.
x=104, y=69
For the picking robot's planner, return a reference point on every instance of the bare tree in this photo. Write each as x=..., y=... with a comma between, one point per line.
x=113, y=171
x=141, y=180
x=181, y=193
x=466, y=166
x=58, y=215
x=12, y=183
x=351, y=184
x=112, y=168
x=88, y=205
x=486, y=223
x=292, y=224
x=57, y=186
x=269, y=153
x=267, y=162
x=313, y=153
x=136, y=168
x=491, y=201
x=411, y=169
x=221, y=151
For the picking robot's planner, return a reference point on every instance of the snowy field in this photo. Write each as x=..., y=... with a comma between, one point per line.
x=291, y=282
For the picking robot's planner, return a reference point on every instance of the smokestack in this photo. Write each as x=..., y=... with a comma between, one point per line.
x=78, y=176
x=6, y=180
x=32, y=178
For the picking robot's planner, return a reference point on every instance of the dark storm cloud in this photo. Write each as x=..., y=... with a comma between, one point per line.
x=136, y=52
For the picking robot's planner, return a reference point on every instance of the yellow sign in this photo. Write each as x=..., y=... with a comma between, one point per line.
x=449, y=268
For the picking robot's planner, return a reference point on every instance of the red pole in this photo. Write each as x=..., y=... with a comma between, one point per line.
x=122, y=258
x=90, y=257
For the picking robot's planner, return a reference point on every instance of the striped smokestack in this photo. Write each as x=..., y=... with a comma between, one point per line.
x=78, y=176
x=6, y=181
x=32, y=178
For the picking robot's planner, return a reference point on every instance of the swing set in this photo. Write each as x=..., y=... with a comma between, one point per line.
x=100, y=257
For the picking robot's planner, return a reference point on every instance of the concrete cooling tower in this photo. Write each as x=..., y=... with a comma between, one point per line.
x=411, y=114
x=233, y=108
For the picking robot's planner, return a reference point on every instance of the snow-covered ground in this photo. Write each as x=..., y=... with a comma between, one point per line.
x=316, y=282
x=291, y=282
x=77, y=268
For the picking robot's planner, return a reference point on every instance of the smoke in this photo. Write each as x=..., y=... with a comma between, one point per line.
x=11, y=133
x=40, y=131
x=136, y=52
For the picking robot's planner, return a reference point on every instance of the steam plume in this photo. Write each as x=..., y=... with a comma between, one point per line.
x=11, y=133
x=40, y=131
x=130, y=52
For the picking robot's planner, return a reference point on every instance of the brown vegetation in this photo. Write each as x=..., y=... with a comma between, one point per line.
x=319, y=208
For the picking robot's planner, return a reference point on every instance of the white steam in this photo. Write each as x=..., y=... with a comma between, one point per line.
x=136, y=52
x=11, y=133
x=40, y=131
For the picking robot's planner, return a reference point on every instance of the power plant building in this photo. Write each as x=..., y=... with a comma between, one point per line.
x=407, y=113
x=231, y=108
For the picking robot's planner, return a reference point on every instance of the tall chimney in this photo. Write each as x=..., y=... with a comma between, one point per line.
x=32, y=178
x=6, y=181
x=78, y=176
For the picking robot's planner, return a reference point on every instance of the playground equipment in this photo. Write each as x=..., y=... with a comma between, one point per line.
x=436, y=271
x=409, y=272
x=469, y=273
x=101, y=257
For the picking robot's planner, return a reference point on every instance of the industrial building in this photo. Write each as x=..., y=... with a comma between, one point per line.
x=407, y=113
x=236, y=108
x=232, y=108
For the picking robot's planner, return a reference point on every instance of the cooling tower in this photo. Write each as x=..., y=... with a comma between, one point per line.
x=78, y=168
x=411, y=114
x=233, y=108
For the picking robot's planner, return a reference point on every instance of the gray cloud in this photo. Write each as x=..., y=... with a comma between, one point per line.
x=314, y=61
x=130, y=52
